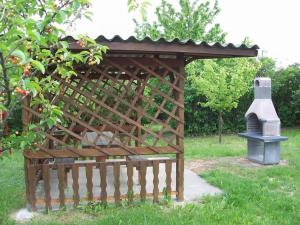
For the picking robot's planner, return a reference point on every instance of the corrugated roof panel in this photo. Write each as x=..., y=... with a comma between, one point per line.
x=147, y=39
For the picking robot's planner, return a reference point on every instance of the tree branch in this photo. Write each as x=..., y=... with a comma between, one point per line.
x=6, y=80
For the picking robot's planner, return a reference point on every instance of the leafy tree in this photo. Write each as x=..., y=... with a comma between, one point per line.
x=286, y=95
x=195, y=21
x=223, y=83
x=267, y=68
x=31, y=51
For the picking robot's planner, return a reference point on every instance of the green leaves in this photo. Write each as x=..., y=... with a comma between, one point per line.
x=193, y=20
x=20, y=54
x=33, y=86
x=223, y=81
x=38, y=65
x=31, y=45
x=140, y=5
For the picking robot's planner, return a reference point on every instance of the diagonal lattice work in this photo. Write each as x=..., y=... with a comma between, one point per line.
x=121, y=103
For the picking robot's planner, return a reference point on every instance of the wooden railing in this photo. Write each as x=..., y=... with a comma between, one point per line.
x=92, y=170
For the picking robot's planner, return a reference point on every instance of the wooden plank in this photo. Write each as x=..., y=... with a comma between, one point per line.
x=75, y=184
x=117, y=193
x=90, y=152
x=168, y=169
x=155, y=180
x=130, y=181
x=103, y=174
x=35, y=155
x=26, y=178
x=32, y=185
x=143, y=171
x=172, y=62
x=179, y=141
x=61, y=184
x=46, y=178
x=89, y=181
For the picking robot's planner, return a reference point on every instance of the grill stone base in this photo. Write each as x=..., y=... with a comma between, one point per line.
x=266, y=153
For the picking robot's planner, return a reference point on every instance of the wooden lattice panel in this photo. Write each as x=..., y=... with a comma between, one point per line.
x=123, y=103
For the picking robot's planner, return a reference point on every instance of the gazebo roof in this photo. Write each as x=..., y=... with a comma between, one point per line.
x=189, y=48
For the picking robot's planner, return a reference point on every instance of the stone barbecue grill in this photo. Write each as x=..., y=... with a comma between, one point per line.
x=263, y=125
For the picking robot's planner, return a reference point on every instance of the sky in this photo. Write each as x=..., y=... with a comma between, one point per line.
x=272, y=25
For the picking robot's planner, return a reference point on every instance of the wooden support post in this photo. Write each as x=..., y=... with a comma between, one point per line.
x=61, y=185
x=89, y=182
x=103, y=184
x=143, y=172
x=75, y=175
x=26, y=166
x=117, y=193
x=46, y=177
x=32, y=185
x=168, y=169
x=155, y=180
x=130, y=181
x=179, y=141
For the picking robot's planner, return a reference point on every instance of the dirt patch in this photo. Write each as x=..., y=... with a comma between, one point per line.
x=202, y=165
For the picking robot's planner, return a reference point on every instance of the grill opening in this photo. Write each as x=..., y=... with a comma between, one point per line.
x=253, y=125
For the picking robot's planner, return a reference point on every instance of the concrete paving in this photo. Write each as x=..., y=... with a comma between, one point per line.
x=194, y=186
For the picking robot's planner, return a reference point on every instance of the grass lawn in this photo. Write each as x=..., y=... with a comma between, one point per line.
x=260, y=195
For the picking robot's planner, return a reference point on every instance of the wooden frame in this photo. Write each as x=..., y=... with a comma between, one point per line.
x=137, y=87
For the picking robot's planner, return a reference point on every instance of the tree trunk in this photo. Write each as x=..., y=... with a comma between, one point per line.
x=220, y=126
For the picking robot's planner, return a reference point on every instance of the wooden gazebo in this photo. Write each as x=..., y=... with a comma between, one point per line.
x=115, y=113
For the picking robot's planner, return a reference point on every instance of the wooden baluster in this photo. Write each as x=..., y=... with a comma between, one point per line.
x=32, y=185
x=130, y=181
x=75, y=184
x=46, y=178
x=143, y=170
x=117, y=193
x=168, y=176
x=26, y=164
x=89, y=181
x=61, y=185
x=155, y=180
x=103, y=182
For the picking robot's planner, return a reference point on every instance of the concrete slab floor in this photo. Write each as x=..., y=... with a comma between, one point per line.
x=194, y=186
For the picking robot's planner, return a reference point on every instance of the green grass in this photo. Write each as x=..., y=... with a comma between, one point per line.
x=260, y=195
x=208, y=147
